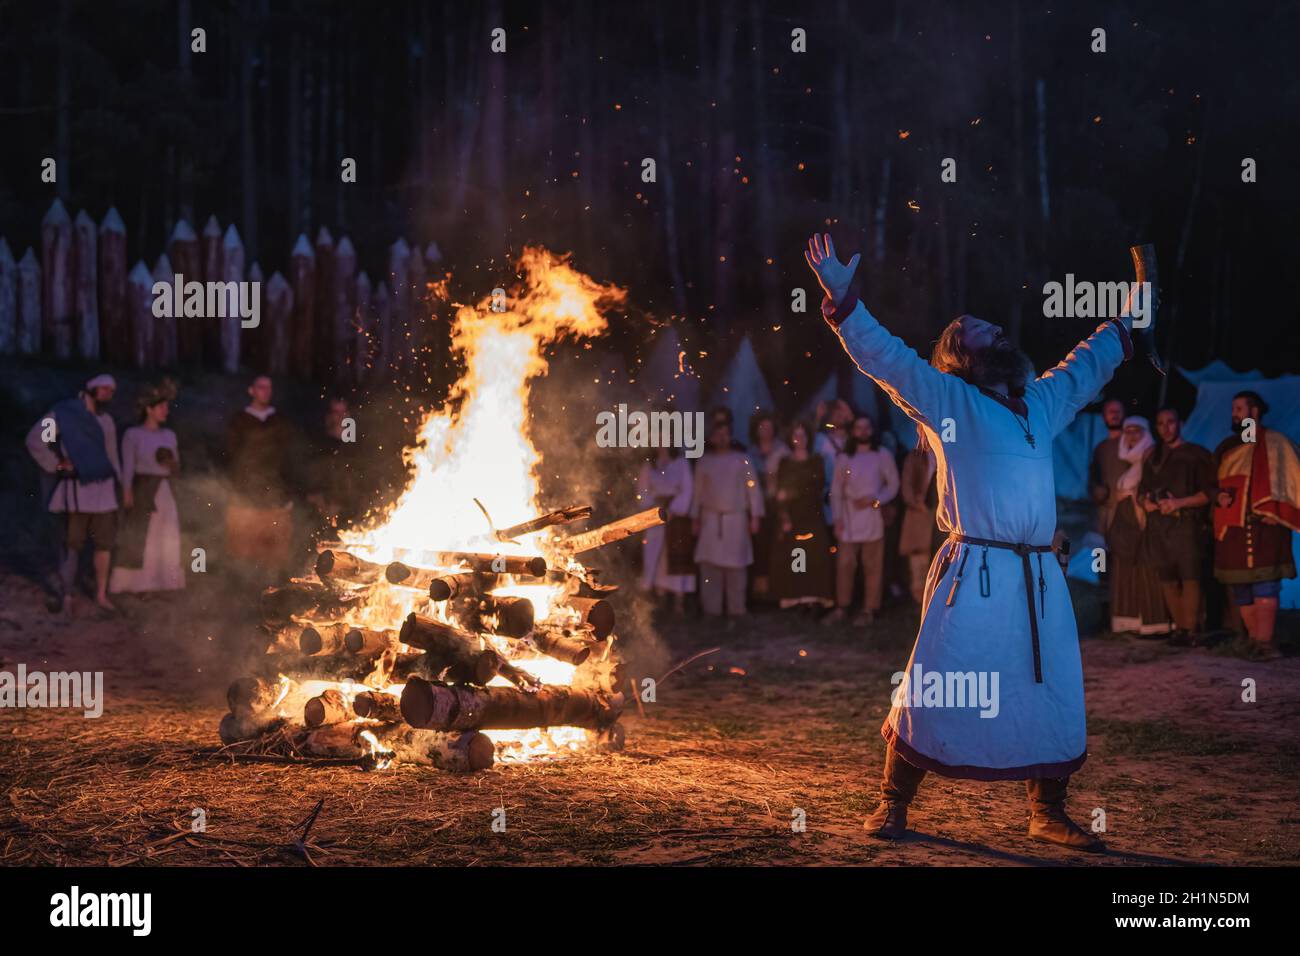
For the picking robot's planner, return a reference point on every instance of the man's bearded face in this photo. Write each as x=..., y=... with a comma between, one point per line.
x=102, y=397
x=1241, y=410
x=999, y=363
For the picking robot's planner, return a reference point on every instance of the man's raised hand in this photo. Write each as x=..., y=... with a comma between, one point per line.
x=833, y=275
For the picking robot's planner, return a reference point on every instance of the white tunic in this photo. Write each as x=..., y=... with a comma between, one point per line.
x=161, y=568
x=727, y=495
x=673, y=481
x=992, y=484
x=868, y=474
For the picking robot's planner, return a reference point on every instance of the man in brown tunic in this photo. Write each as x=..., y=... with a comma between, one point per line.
x=259, y=516
x=1177, y=483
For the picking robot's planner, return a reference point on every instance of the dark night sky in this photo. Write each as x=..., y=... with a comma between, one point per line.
x=756, y=145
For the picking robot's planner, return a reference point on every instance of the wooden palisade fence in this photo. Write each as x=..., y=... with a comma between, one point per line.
x=77, y=300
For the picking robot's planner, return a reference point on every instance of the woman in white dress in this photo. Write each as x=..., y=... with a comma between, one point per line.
x=668, y=566
x=148, y=556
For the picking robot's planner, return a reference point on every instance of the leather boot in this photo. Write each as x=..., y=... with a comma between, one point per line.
x=1047, y=818
x=897, y=788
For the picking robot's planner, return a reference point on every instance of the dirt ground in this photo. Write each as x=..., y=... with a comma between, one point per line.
x=784, y=717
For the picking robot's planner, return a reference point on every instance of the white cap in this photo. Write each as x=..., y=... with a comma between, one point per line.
x=101, y=381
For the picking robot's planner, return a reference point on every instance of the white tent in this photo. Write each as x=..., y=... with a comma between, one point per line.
x=743, y=389
x=1072, y=455
x=1218, y=371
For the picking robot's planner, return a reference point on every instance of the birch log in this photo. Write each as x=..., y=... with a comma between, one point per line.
x=85, y=287
x=114, y=308
x=434, y=706
x=57, y=298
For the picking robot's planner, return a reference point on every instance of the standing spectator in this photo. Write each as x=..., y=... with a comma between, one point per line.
x=866, y=478
x=1136, y=601
x=726, y=510
x=336, y=472
x=1177, y=483
x=259, y=517
x=1257, y=509
x=917, y=540
x=75, y=442
x=148, y=554
x=766, y=452
x=668, y=566
x=803, y=577
x=1106, y=467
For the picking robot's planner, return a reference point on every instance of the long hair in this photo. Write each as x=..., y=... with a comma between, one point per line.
x=980, y=368
x=852, y=445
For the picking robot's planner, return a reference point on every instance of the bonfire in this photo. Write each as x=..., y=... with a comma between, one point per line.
x=459, y=628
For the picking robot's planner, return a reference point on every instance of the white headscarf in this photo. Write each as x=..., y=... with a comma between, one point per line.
x=1134, y=455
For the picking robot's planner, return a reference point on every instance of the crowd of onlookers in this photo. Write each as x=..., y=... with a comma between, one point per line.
x=1197, y=542
x=820, y=515
x=831, y=515
x=119, y=498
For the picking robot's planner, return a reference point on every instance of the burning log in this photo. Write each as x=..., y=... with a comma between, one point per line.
x=596, y=613
x=544, y=521
x=461, y=584
x=338, y=637
x=454, y=752
x=238, y=727
x=347, y=567
x=442, y=707
x=534, y=566
x=446, y=646
x=506, y=616
x=328, y=707
x=377, y=705
x=614, y=531
x=608, y=675
x=299, y=597
x=561, y=645
x=338, y=667
x=252, y=695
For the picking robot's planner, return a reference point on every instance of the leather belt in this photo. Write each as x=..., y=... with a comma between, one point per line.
x=1024, y=550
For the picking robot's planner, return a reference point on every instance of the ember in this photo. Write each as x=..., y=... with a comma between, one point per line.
x=431, y=636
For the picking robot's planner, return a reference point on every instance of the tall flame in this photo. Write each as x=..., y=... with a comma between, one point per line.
x=478, y=444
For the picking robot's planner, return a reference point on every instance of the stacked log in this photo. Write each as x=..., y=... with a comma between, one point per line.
x=57, y=317
x=437, y=706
